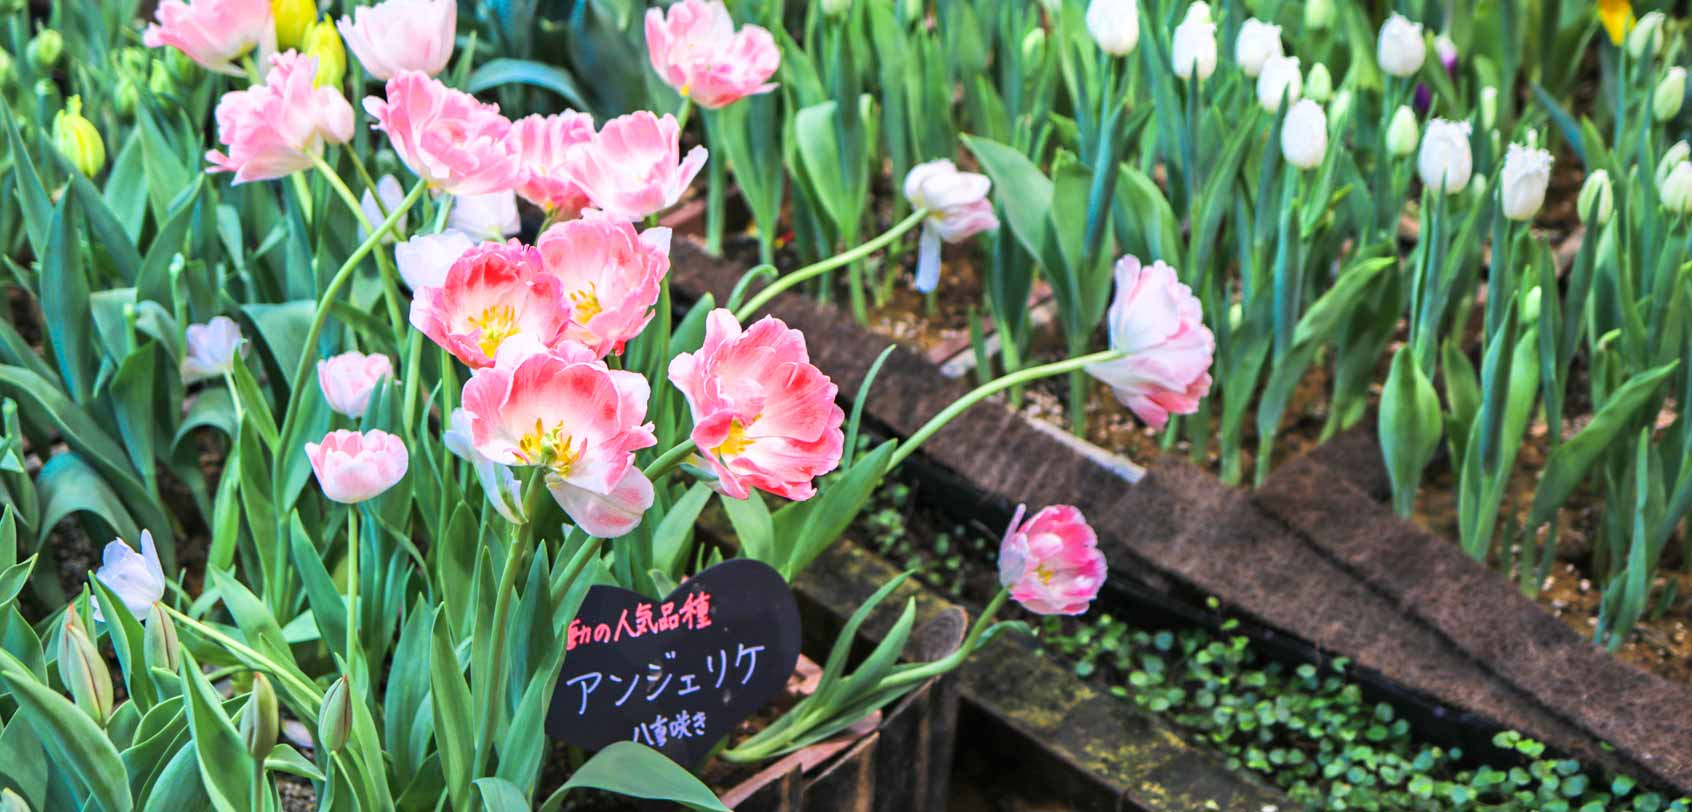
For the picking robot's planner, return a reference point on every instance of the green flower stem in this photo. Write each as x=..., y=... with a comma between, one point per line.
x=956, y=658
x=389, y=274
x=669, y=460
x=682, y=113
x=369, y=182
x=523, y=541
x=819, y=268
x=986, y=390
x=308, y=349
x=352, y=587
x=441, y=214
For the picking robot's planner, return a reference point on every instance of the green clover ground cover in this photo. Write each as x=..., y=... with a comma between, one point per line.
x=1306, y=729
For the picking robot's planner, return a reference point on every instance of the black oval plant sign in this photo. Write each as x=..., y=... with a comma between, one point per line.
x=676, y=674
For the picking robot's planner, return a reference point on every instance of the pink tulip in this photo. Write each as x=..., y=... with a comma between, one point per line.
x=424, y=260
x=211, y=349
x=611, y=276
x=958, y=209
x=352, y=467
x=396, y=36
x=273, y=130
x=491, y=294
x=566, y=412
x=1158, y=322
x=348, y=380
x=213, y=33
x=763, y=416
x=448, y=138
x=544, y=144
x=696, y=50
x=631, y=168
x=1051, y=564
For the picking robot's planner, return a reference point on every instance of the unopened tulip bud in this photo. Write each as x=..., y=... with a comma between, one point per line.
x=1319, y=85
x=1531, y=305
x=1115, y=25
x=12, y=802
x=1646, y=38
x=1403, y=133
x=160, y=81
x=323, y=43
x=835, y=8
x=260, y=719
x=1318, y=14
x=1676, y=155
x=8, y=71
x=159, y=640
x=1034, y=46
x=126, y=97
x=1670, y=94
x=45, y=49
x=83, y=670
x=1489, y=107
x=292, y=18
x=1676, y=191
x=133, y=61
x=334, y=719
x=1597, y=199
x=77, y=139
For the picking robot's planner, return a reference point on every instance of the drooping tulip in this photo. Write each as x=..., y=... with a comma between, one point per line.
x=764, y=417
x=693, y=46
x=565, y=412
x=1526, y=173
x=348, y=380
x=1446, y=161
x=446, y=136
x=634, y=166
x=1158, y=322
x=213, y=33
x=211, y=349
x=611, y=276
x=395, y=36
x=958, y=209
x=1051, y=564
x=275, y=129
x=352, y=467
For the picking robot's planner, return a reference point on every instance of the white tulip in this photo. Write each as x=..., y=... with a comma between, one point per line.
x=135, y=577
x=1256, y=44
x=211, y=349
x=1400, y=49
x=1446, y=163
x=1115, y=25
x=1526, y=173
x=1646, y=38
x=1199, y=11
x=390, y=192
x=1194, y=46
x=424, y=260
x=1279, y=80
x=1669, y=95
x=1679, y=153
x=1676, y=191
x=835, y=8
x=1597, y=199
x=492, y=216
x=1403, y=132
x=1304, y=135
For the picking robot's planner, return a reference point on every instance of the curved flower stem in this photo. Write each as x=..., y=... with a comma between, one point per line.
x=819, y=268
x=308, y=348
x=986, y=390
x=442, y=213
x=669, y=460
x=956, y=658
x=368, y=181
x=390, y=287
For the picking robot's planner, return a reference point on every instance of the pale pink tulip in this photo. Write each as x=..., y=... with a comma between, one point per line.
x=446, y=136
x=696, y=50
x=396, y=36
x=544, y=145
x=491, y=294
x=1051, y=564
x=349, y=379
x=211, y=349
x=135, y=577
x=611, y=276
x=763, y=416
x=567, y=413
x=213, y=33
x=352, y=467
x=957, y=210
x=425, y=259
x=631, y=169
x=1159, y=322
x=274, y=129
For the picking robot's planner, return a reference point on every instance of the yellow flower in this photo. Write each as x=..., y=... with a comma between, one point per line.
x=322, y=42
x=292, y=18
x=1617, y=17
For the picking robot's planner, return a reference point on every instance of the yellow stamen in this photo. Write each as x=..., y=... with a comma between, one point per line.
x=584, y=304
x=551, y=448
x=1046, y=574
x=736, y=442
x=497, y=324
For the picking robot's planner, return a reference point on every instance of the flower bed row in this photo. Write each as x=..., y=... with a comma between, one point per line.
x=1480, y=649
